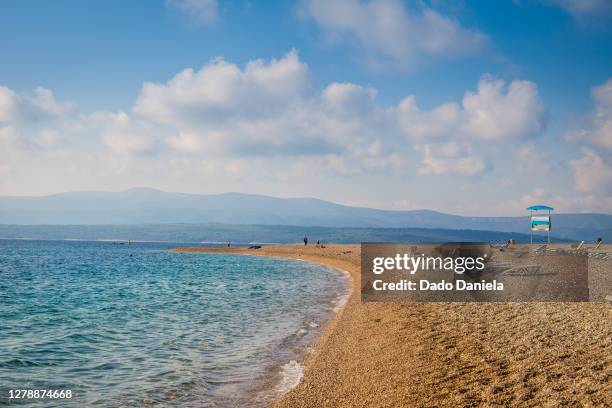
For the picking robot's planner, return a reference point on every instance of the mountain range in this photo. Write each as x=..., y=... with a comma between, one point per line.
x=150, y=206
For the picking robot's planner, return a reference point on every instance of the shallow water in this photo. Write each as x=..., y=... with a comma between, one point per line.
x=132, y=325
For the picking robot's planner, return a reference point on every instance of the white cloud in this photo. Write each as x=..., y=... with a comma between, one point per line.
x=220, y=89
x=493, y=112
x=7, y=135
x=49, y=138
x=529, y=153
x=269, y=108
x=40, y=105
x=584, y=8
x=348, y=99
x=419, y=125
x=450, y=158
x=201, y=12
x=31, y=120
x=388, y=31
x=534, y=160
x=598, y=129
x=45, y=103
x=124, y=135
x=265, y=109
x=9, y=105
x=562, y=203
x=187, y=143
x=592, y=173
x=538, y=196
x=452, y=136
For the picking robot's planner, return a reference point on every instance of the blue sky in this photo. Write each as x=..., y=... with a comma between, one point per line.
x=326, y=112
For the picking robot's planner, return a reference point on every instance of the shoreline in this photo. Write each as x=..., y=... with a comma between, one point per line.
x=323, y=331
x=445, y=354
x=288, y=374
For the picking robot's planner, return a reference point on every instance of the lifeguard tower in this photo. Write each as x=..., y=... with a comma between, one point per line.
x=540, y=221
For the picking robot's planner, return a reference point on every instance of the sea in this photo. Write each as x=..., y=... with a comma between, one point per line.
x=132, y=324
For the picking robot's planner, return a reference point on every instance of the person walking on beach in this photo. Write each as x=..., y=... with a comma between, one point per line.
x=305, y=240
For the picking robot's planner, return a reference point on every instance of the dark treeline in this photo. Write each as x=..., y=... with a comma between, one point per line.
x=253, y=233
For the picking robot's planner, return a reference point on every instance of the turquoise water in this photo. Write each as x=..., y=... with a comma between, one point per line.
x=136, y=325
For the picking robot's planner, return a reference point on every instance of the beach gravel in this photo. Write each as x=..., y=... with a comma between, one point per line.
x=393, y=354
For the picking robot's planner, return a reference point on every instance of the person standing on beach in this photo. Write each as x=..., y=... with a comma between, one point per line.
x=305, y=240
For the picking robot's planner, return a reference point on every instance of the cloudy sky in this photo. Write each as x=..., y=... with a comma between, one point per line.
x=462, y=107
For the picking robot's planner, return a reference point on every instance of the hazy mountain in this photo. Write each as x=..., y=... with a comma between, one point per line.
x=149, y=206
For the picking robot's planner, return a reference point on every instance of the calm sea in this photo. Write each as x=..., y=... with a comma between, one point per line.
x=136, y=325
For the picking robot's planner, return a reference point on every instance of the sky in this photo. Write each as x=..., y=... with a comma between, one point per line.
x=471, y=108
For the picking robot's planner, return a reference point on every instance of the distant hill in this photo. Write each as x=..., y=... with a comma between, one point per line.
x=149, y=206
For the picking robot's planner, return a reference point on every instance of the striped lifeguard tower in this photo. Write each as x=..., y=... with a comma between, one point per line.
x=540, y=221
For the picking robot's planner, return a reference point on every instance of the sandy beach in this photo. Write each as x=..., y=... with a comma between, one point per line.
x=450, y=354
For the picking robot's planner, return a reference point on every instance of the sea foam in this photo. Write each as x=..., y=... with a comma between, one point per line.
x=291, y=375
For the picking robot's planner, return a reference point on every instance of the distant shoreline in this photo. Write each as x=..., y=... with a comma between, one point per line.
x=193, y=234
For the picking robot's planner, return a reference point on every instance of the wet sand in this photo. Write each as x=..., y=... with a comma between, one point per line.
x=378, y=354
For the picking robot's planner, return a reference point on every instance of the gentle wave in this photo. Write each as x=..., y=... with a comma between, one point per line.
x=137, y=325
x=291, y=375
